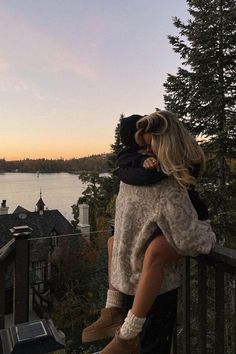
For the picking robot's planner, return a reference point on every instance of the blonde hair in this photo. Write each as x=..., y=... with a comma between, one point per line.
x=176, y=149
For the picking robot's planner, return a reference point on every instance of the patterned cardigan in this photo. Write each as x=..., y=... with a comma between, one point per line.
x=140, y=212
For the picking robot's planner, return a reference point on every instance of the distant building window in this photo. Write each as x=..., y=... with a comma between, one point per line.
x=54, y=239
x=39, y=271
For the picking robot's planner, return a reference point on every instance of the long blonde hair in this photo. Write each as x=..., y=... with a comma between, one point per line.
x=177, y=151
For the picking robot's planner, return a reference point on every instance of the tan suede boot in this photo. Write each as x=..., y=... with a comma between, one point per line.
x=105, y=327
x=122, y=346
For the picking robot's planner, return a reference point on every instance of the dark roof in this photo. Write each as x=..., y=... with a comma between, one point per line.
x=42, y=225
x=20, y=209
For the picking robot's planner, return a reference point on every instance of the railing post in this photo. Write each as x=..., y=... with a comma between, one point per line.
x=219, y=315
x=202, y=305
x=234, y=339
x=2, y=296
x=186, y=307
x=21, y=274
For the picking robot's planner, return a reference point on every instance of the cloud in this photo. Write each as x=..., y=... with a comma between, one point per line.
x=63, y=60
x=26, y=45
x=16, y=85
x=30, y=58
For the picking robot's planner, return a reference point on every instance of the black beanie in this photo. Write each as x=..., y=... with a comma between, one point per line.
x=128, y=129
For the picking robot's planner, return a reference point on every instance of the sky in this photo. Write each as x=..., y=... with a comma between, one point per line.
x=70, y=68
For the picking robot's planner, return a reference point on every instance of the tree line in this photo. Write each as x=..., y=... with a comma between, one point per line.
x=91, y=163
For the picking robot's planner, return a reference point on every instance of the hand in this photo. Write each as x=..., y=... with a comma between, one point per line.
x=150, y=162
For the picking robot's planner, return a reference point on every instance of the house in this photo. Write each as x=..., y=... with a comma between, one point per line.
x=50, y=233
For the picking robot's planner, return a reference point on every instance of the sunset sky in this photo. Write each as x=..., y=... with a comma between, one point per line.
x=69, y=68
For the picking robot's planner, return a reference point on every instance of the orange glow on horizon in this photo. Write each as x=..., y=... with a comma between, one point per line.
x=64, y=149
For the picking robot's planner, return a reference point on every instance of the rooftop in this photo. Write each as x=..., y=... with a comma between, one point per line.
x=42, y=225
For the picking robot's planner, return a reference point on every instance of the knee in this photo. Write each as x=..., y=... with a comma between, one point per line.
x=160, y=252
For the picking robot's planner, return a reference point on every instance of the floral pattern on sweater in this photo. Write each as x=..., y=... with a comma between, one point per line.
x=144, y=211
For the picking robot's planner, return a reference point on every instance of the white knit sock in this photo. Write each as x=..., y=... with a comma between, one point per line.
x=132, y=326
x=114, y=299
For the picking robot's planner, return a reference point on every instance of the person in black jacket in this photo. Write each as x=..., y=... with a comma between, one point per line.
x=137, y=168
x=130, y=159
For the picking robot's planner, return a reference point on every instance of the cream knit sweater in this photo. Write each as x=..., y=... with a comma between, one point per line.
x=139, y=211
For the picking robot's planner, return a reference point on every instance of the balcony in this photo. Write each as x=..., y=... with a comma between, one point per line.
x=206, y=316
x=208, y=323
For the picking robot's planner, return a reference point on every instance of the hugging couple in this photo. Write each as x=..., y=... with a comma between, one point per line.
x=159, y=219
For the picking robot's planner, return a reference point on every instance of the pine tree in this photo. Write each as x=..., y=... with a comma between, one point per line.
x=203, y=94
x=204, y=90
x=116, y=146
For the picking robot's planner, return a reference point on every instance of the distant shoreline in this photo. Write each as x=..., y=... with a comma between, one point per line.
x=50, y=172
x=90, y=164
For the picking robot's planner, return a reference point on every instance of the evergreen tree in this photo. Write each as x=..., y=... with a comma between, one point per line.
x=204, y=90
x=203, y=94
x=116, y=147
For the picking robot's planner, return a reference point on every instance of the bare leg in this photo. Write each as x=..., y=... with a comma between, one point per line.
x=110, y=242
x=158, y=253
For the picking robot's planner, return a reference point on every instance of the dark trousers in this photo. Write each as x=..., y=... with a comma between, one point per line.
x=156, y=336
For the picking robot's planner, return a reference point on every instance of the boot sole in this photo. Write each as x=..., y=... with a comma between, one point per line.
x=108, y=332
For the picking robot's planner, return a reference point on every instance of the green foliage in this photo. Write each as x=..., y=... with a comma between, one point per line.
x=117, y=146
x=77, y=301
x=203, y=91
x=203, y=94
x=100, y=192
x=97, y=194
x=222, y=209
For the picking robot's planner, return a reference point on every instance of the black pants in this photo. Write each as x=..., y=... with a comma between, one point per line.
x=156, y=336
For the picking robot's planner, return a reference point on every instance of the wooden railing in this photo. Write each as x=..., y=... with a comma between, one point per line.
x=208, y=274
x=204, y=281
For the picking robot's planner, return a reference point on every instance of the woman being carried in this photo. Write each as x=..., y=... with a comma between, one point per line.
x=142, y=264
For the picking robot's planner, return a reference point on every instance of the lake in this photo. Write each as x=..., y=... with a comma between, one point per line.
x=59, y=190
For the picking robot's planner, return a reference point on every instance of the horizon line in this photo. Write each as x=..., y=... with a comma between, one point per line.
x=55, y=158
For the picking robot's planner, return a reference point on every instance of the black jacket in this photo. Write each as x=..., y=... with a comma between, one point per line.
x=131, y=171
